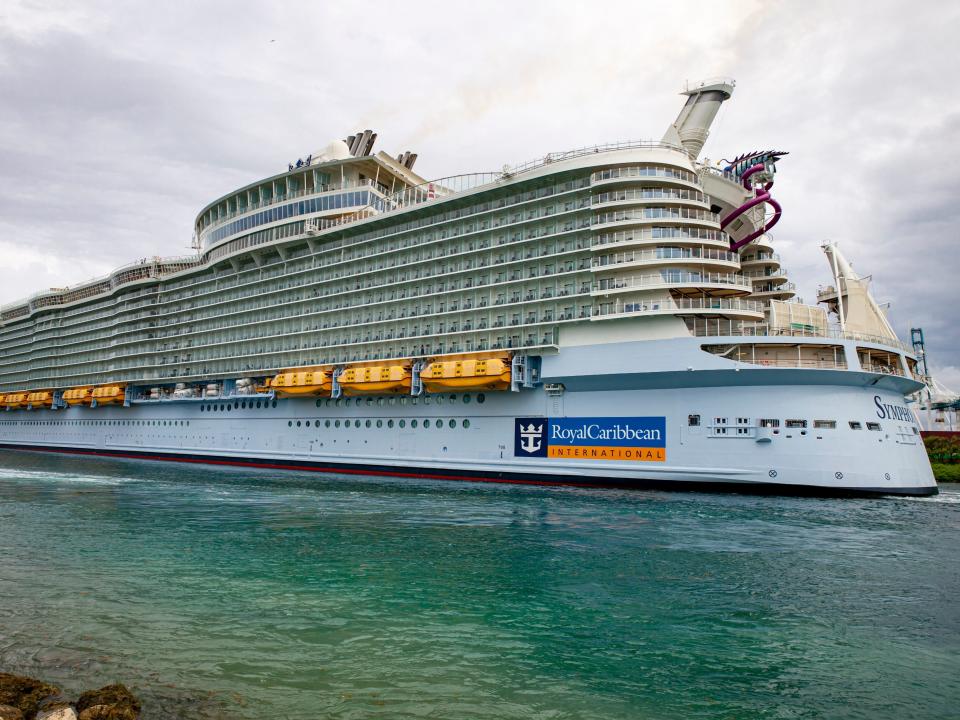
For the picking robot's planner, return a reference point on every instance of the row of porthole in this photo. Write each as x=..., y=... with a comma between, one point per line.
x=237, y=405
x=110, y=423
x=345, y=402
x=402, y=400
x=346, y=424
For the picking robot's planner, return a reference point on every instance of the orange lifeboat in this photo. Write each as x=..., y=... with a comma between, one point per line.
x=77, y=396
x=464, y=375
x=15, y=400
x=376, y=380
x=43, y=398
x=310, y=382
x=108, y=395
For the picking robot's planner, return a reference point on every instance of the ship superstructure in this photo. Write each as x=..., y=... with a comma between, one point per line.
x=625, y=290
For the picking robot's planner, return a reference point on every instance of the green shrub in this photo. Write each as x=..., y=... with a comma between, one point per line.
x=943, y=449
x=945, y=473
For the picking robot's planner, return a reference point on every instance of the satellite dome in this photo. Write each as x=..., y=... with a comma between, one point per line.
x=336, y=150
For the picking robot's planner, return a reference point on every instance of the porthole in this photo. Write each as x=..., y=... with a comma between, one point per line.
x=229, y=407
x=481, y=397
x=369, y=401
x=466, y=398
x=236, y=404
x=258, y=404
x=380, y=401
x=338, y=402
x=389, y=423
x=466, y=423
x=327, y=423
x=453, y=398
x=337, y=423
x=426, y=400
x=439, y=399
x=356, y=423
x=452, y=423
x=319, y=403
x=289, y=423
x=298, y=423
x=368, y=423
x=202, y=408
x=426, y=423
x=274, y=404
x=243, y=404
x=379, y=423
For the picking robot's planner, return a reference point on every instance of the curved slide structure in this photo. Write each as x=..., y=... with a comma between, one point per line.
x=762, y=196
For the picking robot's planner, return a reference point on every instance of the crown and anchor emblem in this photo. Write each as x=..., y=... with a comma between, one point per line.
x=531, y=437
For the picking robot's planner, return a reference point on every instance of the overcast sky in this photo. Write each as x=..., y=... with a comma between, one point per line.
x=119, y=121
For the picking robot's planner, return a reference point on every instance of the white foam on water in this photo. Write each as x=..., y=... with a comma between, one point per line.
x=12, y=474
x=944, y=498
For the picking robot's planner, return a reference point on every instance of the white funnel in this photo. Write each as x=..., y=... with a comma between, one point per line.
x=692, y=125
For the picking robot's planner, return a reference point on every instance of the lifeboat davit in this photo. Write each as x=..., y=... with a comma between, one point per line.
x=77, y=396
x=311, y=382
x=463, y=375
x=108, y=395
x=376, y=380
x=40, y=399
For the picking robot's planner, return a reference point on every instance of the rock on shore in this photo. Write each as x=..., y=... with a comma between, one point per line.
x=24, y=698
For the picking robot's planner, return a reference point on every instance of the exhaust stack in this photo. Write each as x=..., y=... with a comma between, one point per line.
x=692, y=125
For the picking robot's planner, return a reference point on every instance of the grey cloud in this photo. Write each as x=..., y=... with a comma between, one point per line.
x=115, y=131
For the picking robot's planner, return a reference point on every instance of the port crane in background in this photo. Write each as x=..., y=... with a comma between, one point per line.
x=939, y=404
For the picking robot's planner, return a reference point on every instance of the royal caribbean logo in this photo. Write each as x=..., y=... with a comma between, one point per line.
x=529, y=439
x=590, y=438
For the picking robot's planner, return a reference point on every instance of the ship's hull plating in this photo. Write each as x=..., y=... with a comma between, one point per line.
x=696, y=437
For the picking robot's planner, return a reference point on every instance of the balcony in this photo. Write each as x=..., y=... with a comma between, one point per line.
x=671, y=279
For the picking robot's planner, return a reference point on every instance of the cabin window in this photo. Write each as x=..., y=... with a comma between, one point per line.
x=873, y=426
x=693, y=420
x=854, y=425
x=720, y=421
x=825, y=424
x=796, y=423
x=743, y=421
x=769, y=423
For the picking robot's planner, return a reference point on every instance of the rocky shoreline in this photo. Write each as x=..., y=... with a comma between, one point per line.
x=25, y=698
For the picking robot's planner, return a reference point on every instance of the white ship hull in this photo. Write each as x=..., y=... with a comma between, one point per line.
x=856, y=439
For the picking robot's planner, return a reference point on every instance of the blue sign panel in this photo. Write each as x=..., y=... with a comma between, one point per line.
x=596, y=438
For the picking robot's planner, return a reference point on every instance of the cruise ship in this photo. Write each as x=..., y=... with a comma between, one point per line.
x=614, y=315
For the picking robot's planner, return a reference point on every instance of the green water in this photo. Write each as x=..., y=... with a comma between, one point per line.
x=241, y=594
